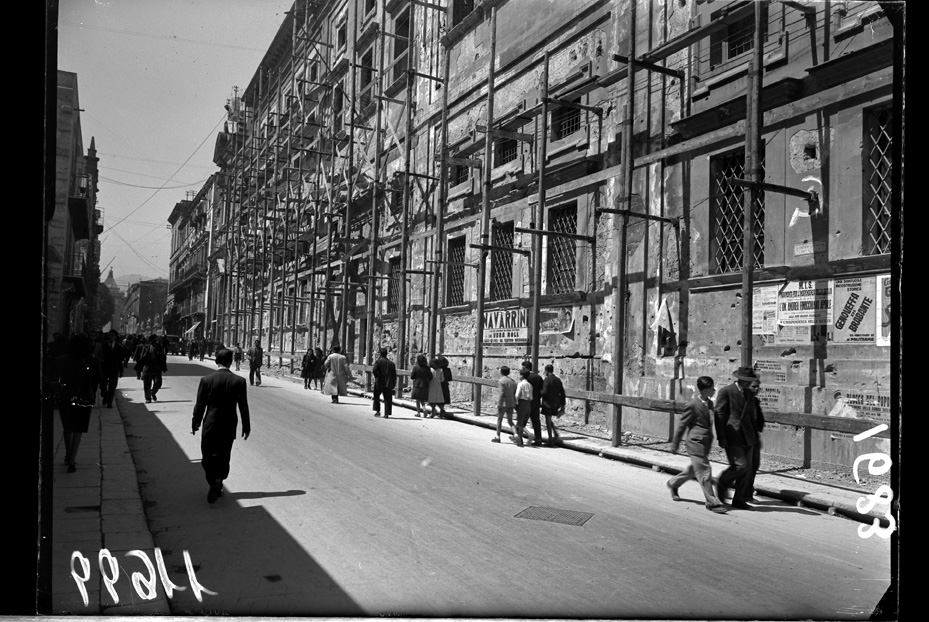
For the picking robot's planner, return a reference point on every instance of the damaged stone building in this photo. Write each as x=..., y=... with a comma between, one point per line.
x=560, y=181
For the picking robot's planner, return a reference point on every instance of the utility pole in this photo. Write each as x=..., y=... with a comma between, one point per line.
x=620, y=227
x=755, y=176
x=478, y=370
x=407, y=196
x=539, y=224
x=439, y=248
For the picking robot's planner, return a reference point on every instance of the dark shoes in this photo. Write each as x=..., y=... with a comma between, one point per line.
x=72, y=467
x=674, y=495
x=215, y=493
x=717, y=509
x=741, y=505
x=517, y=440
x=154, y=397
x=495, y=440
x=377, y=413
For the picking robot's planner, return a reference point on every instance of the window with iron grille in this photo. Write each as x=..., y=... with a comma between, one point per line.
x=460, y=174
x=454, y=285
x=393, y=286
x=736, y=38
x=878, y=168
x=565, y=121
x=505, y=150
x=501, y=263
x=728, y=214
x=562, y=260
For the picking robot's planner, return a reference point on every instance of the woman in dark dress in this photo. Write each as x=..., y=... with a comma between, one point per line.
x=77, y=373
x=319, y=370
x=308, y=367
x=421, y=376
x=446, y=378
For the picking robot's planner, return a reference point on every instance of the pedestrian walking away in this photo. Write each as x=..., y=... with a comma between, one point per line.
x=111, y=367
x=151, y=365
x=141, y=344
x=535, y=409
x=553, y=402
x=735, y=431
x=446, y=379
x=506, y=402
x=75, y=374
x=255, y=360
x=337, y=375
x=696, y=429
x=523, y=405
x=237, y=355
x=319, y=371
x=420, y=376
x=307, y=366
x=436, y=397
x=218, y=396
x=385, y=381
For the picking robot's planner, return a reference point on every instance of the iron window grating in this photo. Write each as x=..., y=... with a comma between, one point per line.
x=455, y=285
x=729, y=215
x=554, y=515
x=393, y=286
x=562, y=259
x=879, y=168
x=501, y=263
x=505, y=150
x=737, y=38
x=460, y=174
x=565, y=121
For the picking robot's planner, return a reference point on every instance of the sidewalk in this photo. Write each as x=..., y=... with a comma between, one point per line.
x=99, y=509
x=95, y=509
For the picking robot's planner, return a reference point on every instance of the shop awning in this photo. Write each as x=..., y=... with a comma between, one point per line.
x=192, y=328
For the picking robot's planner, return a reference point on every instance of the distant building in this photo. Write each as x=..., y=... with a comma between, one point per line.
x=144, y=307
x=119, y=302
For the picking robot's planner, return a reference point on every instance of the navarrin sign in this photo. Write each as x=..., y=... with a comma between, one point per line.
x=506, y=327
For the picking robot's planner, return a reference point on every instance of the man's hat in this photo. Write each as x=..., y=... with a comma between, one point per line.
x=745, y=373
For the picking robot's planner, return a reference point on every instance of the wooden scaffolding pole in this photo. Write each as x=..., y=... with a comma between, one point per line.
x=478, y=369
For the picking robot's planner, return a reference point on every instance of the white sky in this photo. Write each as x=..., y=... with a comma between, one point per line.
x=153, y=76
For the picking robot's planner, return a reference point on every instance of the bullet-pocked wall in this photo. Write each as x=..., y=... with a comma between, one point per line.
x=334, y=100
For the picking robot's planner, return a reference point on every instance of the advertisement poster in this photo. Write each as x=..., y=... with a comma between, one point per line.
x=506, y=327
x=855, y=310
x=805, y=303
x=764, y=310
x=882, y=316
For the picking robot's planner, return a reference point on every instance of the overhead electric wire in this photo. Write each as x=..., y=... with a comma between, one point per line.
x=221, y=119
x=164, y=37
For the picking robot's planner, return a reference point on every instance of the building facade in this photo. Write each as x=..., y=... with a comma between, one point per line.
x=72, y=247
x=189, y=281
x=568, y=182
x=144, y=308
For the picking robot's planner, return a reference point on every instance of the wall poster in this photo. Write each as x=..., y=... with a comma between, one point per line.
x=764, y=310
x=855, y=310
x=805, y=303
x=882, y=296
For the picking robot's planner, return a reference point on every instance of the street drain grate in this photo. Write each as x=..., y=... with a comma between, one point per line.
x=83, y=508
x=552, y=515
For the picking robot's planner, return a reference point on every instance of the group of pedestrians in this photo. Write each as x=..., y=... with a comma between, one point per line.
x=532, y=398
x=430, y=380
x=738, y=422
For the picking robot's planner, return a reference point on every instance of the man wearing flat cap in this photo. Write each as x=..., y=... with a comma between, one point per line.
x=737, y=427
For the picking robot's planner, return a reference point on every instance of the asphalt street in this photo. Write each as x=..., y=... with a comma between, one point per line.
x=331, y=511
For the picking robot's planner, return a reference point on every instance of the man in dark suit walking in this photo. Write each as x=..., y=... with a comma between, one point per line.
x=697, y=423
x=217, y=397
x=535, y=406
x=738, y=435
x=385, y=381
